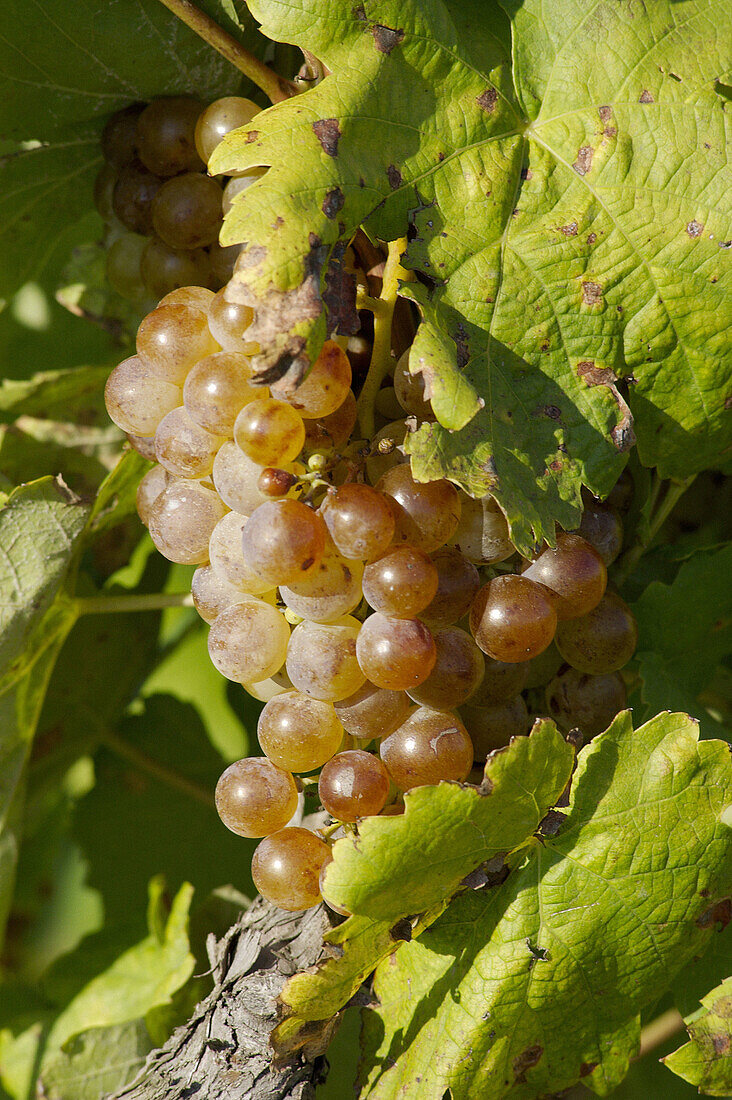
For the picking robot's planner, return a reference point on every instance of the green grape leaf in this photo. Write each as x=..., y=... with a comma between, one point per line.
x=527, y=988
x=97, y=1062
x=32, y=448
x=41, y=526
x=706, y=1061
x=525, y=159
x=704, y=972
x=75, y=395
x=402, y=865
x=84, y=291
x=684, y=631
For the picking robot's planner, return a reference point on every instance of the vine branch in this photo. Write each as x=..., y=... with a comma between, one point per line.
x=276, y=87
x=383, y=311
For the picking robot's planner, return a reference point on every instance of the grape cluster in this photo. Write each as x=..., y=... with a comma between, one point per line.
x=388, y=626
x=162, y=211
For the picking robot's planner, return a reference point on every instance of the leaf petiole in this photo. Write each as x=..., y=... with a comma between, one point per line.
x=155, y=601
x=660, y=513
x=381, y=359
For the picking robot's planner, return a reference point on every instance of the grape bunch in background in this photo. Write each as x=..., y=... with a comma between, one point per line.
x=393, y=634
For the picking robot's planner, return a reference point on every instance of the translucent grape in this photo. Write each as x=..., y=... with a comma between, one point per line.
x=457, y=672
x=270, y=432
x=588, y=703
x=119, y=136
x=217, y=389
x=428, y=512
x=395, y=653
x=184, y=448
x=457, y=583
x=372, y=712
x=123, y=266
x=299, y=733
x=228, y=322
x=326, y=386
x=136, y=399
x=430, y=746
x=166, y=135
x=512, y=619
x=227, y=559
x=236, y=479
x=409, y=390
x=255, y=798
x=220, y=118
x=286, y=868
x=491, y=728
x=360, y=521
x=501, y=682
x=283, y=541
x=386, y=404
x=172, y=339
x=248, y=641
x=186, y=211
x=332, y=432
x=401, y=582
x=603, y=640
x=482, y=532
x=195, y=297
x=133, y=196
x=152, y=484
x=275, y=482
x=353, y=784
x=239, y=184
x=331, y=590
x=386, y=450
x=321, y=659
x=212, y=594
x=264, y=690
x=574, y=572
x=164, y=269
x=182, y=519
x=603, y=529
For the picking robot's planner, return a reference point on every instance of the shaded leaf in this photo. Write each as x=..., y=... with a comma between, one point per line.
x=97, y=1062
x=706, y=1061
x=65, y=395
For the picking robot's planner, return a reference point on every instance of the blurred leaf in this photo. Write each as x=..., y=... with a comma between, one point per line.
x=84, y=291
x=706, y=1061
x=97, y=1062
x=31, y=449
x=75, y=395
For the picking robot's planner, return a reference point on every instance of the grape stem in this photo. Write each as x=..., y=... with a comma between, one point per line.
x=659, y=1031
x=145, y=764
x=273, y=85
x=659, y=515
x=381, y=360
x=155, y=601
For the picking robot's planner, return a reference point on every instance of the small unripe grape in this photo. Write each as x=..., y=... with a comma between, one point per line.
x=326, y=386
x=182, y=519
x=283, y=541
x=133, y=196
x=621, y=495
x=236, y=479
x=123, y=266
x=227, y=559
x=195, y=297
x=353, y=784
x=166, y=135
x=119, y=136
x=270, y=432
x=136, y=400
x=501, y=682
x=255, y=798
x=457, y=672
x=228, y=322
x=321, y=659
x=275, y=482
x=220, y=118
x=491, y=728
x=152, y=484
x=588, y=703
x=574, y=572
x=360, y=521
x=400, y=583
x=372, y=712
x=143, y=444
x=409, y=390
x=430, y=746
x=165, y=269
x=299, y=733
x=386, y=403
x=603, y=529
x=395, y=653
x=217, y=389
x=286, y=868
x=457, y=583
x=512, y=619
x=212, y=594
x=603, y=640
x=172, y=339
x=184, y=448
x=237, y=185
x=427, y=512
x=186, y=211
x=482, y=531
x=386, y=450
x=332, y=589
x=330, y=433
x=248, y=641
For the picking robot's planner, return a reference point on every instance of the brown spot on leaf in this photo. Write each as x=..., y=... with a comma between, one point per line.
x=569, y=230
x=525, y=1060
x=728, y=402
x=609, y=131
x=386, y=38
x=487, y=100
x=333, y=202
x=719, y=913
x=591, y=238
x=646, y=97
x=339, y=296
x=553, y=412
x=721, y=1043
x=252, y=135
x=402, y=930
x=584, y=160
x=605, y=113
x=461, y=343
x=587, y=1068
x=591, y=294
x=526, y=174
x=695, y=229
x=328, y=133
x=394, y=177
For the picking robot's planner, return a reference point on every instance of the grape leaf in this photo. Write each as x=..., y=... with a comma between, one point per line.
x=97, y=1062
x=703, y=973
x=524, y=149
x=527, y=988
x=706, y=1061
x=75, y=394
